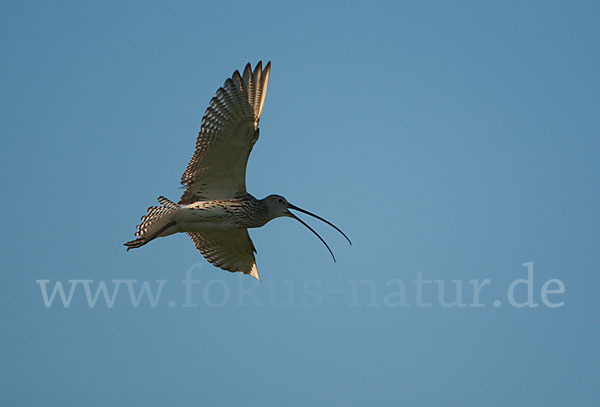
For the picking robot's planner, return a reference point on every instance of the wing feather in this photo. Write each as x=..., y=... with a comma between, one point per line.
x=228, y=132
x=231, y=250
x=263, y=84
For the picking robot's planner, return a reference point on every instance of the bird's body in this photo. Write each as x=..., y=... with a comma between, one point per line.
x=225, y=214
x=215, y=209
x=219, y=215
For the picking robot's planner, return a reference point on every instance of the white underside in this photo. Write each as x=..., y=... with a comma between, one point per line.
x=193, y=219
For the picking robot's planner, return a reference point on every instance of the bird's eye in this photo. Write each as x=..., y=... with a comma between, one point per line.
x=280, y=200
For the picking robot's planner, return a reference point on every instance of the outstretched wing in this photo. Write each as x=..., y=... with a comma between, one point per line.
x=228, y=132
x=232, y=250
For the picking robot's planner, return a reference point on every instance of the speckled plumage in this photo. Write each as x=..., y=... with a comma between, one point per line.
x=240, y=213
x=229, y=130
x=215, y=209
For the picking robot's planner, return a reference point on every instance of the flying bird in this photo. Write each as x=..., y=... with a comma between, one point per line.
x=215, y=209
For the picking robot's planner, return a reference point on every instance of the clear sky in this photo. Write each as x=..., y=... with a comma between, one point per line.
x=456, y=143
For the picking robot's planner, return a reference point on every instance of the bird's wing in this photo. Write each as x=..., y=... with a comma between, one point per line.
x=231, y=250
x=228, y=132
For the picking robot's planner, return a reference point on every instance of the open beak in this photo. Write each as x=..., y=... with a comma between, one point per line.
x=290, y=214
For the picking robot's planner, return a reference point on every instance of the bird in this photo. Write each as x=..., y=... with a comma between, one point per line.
x=215, y=209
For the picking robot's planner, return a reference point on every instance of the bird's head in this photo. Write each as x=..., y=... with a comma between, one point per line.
x=279, y=206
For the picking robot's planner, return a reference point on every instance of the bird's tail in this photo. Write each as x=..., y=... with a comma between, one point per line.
x=154, y=223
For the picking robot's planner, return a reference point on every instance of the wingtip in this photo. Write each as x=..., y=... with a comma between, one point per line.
x=237, y=79
x=266, y=72
x=248, y=72
x=254, y=272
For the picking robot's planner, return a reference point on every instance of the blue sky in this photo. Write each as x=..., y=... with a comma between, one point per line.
x=452, y=141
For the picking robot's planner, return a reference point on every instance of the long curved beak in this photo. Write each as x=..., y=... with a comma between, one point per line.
x=290, y=206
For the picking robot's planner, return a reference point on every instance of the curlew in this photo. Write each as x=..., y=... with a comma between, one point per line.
x=215, y=209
